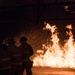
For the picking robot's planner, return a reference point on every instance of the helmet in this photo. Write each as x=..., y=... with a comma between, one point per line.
x=11, y=41
x=23, y=39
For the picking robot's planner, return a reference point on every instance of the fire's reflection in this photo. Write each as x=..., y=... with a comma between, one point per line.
x=52, y=71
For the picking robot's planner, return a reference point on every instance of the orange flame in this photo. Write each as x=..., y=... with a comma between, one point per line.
x=53, y=55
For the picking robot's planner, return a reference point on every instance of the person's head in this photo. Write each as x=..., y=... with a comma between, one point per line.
x=23, y=39
x=1, y=41
x=11, y=41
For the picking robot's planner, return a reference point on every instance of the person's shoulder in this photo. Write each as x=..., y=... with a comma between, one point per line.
x=28, y=45
x=5, y=45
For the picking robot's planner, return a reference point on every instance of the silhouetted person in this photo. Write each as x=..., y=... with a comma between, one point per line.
x=26, y=51
x=5, y=63
x=15, y=56
x=4, y=46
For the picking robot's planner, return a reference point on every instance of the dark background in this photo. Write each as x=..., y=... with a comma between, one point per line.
x=27, y=17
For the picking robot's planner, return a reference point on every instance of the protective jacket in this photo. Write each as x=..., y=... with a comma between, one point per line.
x=5, y=63
x=26, y=51
x=16, y=58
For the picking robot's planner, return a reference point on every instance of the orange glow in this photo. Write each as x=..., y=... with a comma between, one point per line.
x=53, y=55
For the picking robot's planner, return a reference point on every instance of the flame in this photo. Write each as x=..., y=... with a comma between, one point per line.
x=53, y=55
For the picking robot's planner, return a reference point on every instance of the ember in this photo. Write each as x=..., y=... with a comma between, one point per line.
x=56, y=56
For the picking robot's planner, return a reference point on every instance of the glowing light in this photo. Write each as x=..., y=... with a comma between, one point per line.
x=53, y=55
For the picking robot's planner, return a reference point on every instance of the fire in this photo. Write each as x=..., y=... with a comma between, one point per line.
x=55, y=55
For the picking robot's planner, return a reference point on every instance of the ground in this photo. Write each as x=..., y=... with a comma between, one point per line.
x=52, y=71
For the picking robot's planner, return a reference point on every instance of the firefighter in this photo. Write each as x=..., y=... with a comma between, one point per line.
x=15, y=56
x=5, y=63
x=26, y=51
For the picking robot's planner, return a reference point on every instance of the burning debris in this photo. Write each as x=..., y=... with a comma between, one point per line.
x=53, y=55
